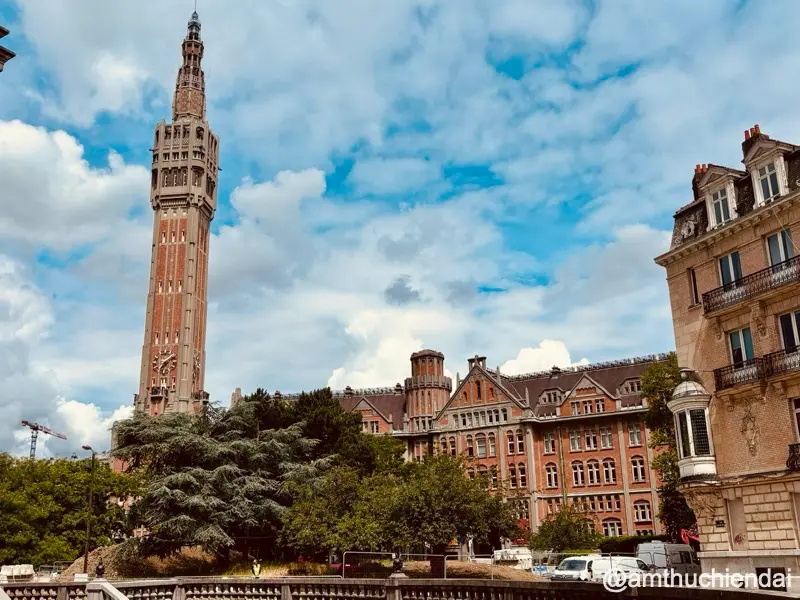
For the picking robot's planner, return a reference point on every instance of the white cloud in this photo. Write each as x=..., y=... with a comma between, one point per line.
x=549, y=353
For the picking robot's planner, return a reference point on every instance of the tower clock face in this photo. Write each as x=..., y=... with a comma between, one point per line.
x=164, y=362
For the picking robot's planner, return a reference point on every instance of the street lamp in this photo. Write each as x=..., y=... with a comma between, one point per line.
x=89, y=513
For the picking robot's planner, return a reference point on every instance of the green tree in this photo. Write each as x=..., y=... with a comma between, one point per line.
x=43, y=508
x=658, y=383
x=220, y=479
x=568, y=529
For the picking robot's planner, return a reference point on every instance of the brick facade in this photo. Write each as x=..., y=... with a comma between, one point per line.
x=515, y=429
x=184, y=197
x=745, y=503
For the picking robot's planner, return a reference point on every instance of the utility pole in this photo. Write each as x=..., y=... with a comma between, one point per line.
x=89, y=512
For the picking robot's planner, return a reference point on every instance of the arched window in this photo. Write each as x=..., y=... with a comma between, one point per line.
x=551, y=470
x=641, y=511
x=470, y=447
x=520, y=443
x=496, y=416
x=444, y=445
x=637, y=469
x=504, y=412
x=612, y=528
x=512, y=476
x=452, y=446
x=523, y=480
x=577, y=473
x=494, y=478
x=480, y=442
x=510, y=439
x=609, y=471
x=471, y=473
x=593, y=472
x=492, y=449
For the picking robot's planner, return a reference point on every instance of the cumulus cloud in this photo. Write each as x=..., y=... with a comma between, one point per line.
x=401, y=292
x=549, y=353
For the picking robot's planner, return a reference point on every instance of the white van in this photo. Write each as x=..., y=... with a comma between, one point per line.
x=626, y=565
x=663, y=557
x=575, y=568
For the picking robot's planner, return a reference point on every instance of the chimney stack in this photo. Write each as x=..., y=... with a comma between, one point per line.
x=746, y=134
x=758, y=129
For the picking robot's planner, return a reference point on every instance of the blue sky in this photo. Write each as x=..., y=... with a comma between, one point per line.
x=474, y=177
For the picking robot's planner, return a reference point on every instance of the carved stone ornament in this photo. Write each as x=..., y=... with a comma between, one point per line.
x=703, y=503
x=717, y=326
x=757, y=317
x=750, y=430
x=688, y=227
x=196, y=365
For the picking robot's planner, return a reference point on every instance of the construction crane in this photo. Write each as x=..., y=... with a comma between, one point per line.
x=35, y=429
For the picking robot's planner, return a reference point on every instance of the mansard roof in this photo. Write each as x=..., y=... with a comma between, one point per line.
x=608, y=375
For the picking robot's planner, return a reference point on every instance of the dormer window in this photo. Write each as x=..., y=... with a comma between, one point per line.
x=768, y=182
x=720, y=206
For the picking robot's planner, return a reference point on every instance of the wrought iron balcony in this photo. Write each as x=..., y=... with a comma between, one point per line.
x=751, y=285
x=781, y=362
x=793, y=462
x=159, y=391
x=748, y=371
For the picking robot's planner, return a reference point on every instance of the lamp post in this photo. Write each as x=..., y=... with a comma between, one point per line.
x=89, y=513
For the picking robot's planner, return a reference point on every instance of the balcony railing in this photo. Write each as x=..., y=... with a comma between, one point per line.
x=751, y=285
x=159, y=391
x=757, y=369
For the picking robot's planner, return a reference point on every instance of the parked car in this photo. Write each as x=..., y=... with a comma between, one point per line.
x=625, y=565
x=663, y=557
x=575, y=568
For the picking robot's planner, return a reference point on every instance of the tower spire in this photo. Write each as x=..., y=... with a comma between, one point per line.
x=190, y=87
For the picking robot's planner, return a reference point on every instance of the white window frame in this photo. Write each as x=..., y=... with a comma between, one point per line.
x=780, y=173
x=634, y=433
x=593, y=472
x=638, y=472
x=578, y=478
x=575, y=407
x=606, y=438
x=600, y=405
x=549, y=440
x=609, y=468
x=793, y=318
x=722, y=197
x=612, y=528
x=492, y=445
x=642, y=512
x=783, y=254
x=520, y=443
x=590, y=439
x=551, y=472
x=575, y=444
x=684, y=414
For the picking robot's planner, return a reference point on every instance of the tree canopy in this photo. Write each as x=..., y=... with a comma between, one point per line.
x=658, y=383
x=570, y=528
x=44, y=504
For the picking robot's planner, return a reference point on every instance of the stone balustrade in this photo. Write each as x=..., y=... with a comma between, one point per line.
x=334, y=588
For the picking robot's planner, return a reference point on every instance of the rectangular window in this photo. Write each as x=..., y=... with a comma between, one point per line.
x=741, y=346
x=180, y=286
x=606, y=439
x=601, y=406
x=635, y=434
x=591, y=439
x=160, y=287
x=520, y=443
x=183, y=236
x=169, y=286
x=790, y=327
x=587, y=407
x=574, y=440
x=576, y=407
x=796, y=404
x=719, y=202
x=779, y=247
x=730, y=268
x=694, y=295
x=481, y=443
x=768, y=180
x=549, y=443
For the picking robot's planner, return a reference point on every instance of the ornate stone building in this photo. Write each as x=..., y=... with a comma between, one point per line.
x=5, y=54
x=183, y=194
x=734, y=280
x=571, y=435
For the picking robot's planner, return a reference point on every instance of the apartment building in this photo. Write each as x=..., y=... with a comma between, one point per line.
x=733, y=274
x=572, y=435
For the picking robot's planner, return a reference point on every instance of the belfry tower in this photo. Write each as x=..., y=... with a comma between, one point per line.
x=183, y=193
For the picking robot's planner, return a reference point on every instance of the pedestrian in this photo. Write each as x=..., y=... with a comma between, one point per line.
x=256, y=568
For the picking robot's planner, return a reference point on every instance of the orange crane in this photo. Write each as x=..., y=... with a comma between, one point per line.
x=35, y=429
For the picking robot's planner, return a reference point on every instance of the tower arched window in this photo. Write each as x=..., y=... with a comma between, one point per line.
x=593, y=472
x=471, y=473
x=520, y=443
x=512, y=476
x=452, y=446
x=492, y=448
x=443, y=444
x=493, y=474
x=523, y=480
x=510, y=441
x=470, y=446
x=637, y=469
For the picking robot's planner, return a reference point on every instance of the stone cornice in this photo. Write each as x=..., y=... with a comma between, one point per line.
x=719, y=233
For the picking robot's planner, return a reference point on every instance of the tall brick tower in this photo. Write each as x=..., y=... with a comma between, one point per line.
x=183, y=193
